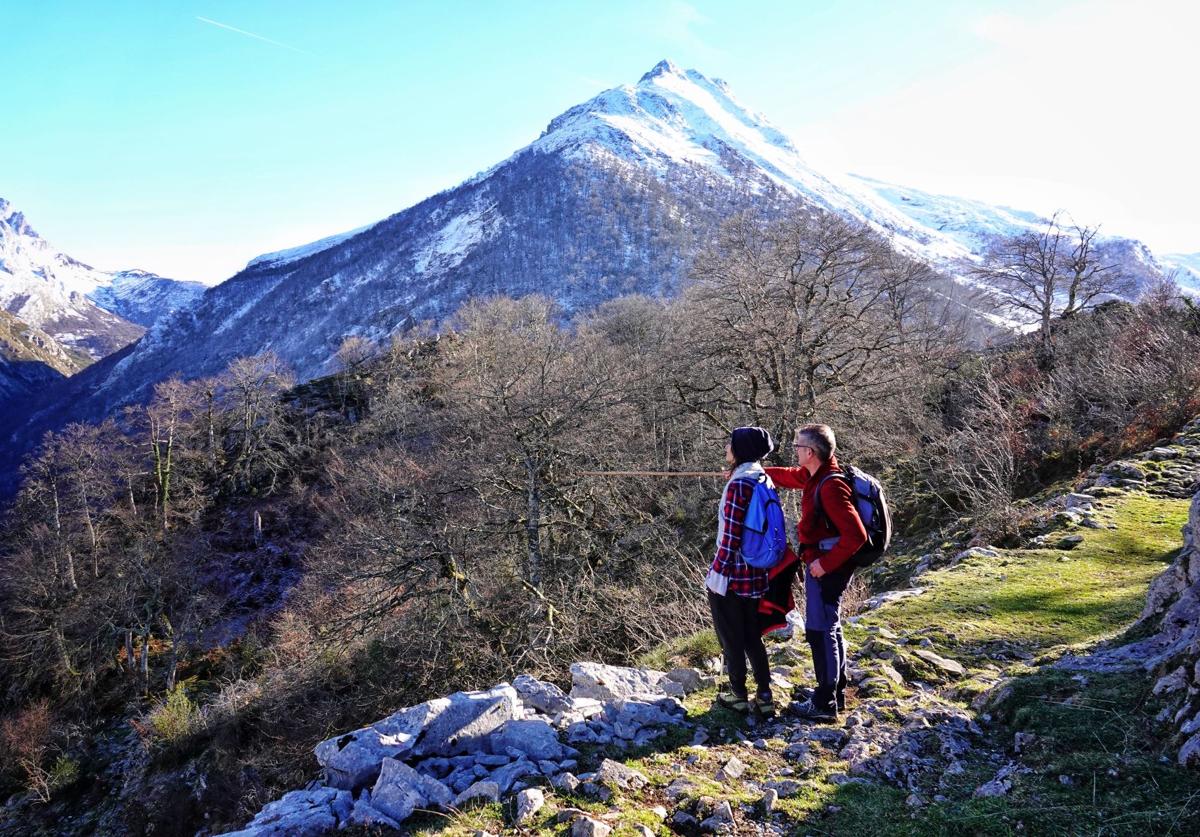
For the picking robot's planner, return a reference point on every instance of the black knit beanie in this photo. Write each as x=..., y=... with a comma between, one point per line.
x=750, y=444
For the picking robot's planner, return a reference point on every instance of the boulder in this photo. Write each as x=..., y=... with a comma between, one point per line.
x=353, y=760
x=467, y=720
x=604, y=682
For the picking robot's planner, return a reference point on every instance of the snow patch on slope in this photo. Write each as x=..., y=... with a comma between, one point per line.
x=460, y=235
x=295, y=254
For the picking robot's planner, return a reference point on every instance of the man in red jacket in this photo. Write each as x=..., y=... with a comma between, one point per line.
x=828, y=539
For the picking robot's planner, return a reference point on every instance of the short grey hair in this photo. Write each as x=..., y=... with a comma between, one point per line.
x=820, y=437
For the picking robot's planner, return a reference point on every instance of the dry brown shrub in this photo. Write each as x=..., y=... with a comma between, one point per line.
x=27, y=736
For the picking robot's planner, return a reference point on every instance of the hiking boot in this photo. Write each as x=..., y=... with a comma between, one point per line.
x=734, y=703
x=805, y=693
x=809, y=711
x=764, y=706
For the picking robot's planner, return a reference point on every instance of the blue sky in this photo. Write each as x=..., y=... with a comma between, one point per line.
x=153, y=135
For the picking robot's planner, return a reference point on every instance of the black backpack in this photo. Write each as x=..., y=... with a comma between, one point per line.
x=869, y=500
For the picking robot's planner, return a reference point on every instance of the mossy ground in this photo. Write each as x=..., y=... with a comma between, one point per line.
x=1096, y=765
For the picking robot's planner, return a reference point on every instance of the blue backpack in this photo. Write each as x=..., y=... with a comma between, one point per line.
x=764, y=532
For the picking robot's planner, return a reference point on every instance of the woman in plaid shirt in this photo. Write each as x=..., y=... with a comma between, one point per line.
x=735, y=587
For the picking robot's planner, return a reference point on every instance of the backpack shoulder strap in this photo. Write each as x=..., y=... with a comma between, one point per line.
x=817, y=507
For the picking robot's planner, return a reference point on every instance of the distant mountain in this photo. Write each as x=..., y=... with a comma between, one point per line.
x=84, y=309
x=616, y=196
x=973, y=226
x=1186, y=269
x=30, y=359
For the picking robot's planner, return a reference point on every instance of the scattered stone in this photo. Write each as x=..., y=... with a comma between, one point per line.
x=1080, y=501
x=306, y=812
x=998, y=786
x=1163, y=454
x=1022, y=741
x=507, y=776
x=565, y=782
x=529, y=802
x=892, y=596
x=480, y=793
x=937, y=661
x=689, y=679
x=769, y=798
x=543, y=696
x=593, y=790
x=684, y=822
x=626, y=778
x=722, y=815
x=977, y=552
x=366, y=815
x=1070, y=542
x=587, y=827
x=534, y=738
x=679, y=788
x=733, y=769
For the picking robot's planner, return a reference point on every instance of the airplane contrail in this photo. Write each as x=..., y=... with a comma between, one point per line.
x=251, y=35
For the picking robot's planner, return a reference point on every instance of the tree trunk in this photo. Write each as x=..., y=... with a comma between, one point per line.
x=129, y=658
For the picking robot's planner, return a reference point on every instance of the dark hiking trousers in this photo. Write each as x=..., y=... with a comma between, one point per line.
x=823, y=630
x=736, y=621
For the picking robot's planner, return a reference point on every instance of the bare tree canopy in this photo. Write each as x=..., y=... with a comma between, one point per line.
x=1040, y=276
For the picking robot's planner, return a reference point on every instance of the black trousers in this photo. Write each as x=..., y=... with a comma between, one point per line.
x=736, y=621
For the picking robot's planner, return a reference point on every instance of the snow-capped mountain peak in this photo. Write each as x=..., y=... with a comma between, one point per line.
x=86, y=309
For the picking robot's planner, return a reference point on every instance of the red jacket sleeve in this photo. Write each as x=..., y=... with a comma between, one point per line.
x=788, y=477
x=838, y=505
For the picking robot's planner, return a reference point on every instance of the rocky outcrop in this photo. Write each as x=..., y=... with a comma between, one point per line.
x=1177, y=661
x=1171, y=654
x=477, y=747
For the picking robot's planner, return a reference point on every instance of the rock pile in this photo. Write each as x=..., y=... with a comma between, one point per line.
x=451, y=752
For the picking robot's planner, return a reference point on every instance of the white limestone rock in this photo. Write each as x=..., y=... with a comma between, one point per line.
x=604, y=682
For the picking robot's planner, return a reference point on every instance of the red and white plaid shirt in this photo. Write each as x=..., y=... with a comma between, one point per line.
x=744, y=580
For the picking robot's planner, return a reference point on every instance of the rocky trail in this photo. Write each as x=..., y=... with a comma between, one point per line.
x=1005, y=691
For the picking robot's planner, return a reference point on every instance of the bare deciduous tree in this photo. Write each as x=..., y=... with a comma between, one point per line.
x=1057, y=272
